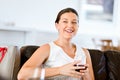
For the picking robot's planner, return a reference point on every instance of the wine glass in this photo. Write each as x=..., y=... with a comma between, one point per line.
x=82, y=63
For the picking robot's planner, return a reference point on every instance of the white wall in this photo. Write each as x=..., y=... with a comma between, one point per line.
x=117, y=18
x=39, y=15
x=12, y=37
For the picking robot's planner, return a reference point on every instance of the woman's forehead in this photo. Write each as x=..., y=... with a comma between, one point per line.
x=69, y=15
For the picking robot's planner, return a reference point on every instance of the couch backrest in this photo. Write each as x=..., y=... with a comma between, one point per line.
x=99, y=64
x=113, y=64
x=105, y=64
x=26, y=52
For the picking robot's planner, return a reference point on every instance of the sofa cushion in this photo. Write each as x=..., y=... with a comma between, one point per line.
x=26, y=52
x=99, y=64
x=113, y=64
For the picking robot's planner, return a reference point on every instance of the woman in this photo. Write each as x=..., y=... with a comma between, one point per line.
x=60, y=56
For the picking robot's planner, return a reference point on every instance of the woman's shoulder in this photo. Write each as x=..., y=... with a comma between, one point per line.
x=82, y=49
x=45, y=46
x=86, y=52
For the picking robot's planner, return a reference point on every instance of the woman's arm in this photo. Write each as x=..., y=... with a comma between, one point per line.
x=36, y=60
x=89, y=75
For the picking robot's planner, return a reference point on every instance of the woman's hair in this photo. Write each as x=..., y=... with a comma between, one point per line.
x=66, y=10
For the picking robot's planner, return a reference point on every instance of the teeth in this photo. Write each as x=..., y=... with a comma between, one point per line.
x=69, y=30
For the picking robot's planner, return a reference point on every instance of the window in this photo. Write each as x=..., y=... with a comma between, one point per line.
x=101, y=10
x=98, y=16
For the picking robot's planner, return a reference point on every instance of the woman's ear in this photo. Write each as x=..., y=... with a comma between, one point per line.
x=56, y=25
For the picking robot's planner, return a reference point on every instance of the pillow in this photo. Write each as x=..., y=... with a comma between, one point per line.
x=3, y=51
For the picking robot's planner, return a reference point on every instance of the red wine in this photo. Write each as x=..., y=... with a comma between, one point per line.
x=84, y=67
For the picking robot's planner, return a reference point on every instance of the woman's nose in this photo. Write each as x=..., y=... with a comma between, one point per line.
x=70, y=24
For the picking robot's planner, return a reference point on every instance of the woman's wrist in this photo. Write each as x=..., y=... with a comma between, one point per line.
x=86, y=76
x=49, y=72
x=59, y=70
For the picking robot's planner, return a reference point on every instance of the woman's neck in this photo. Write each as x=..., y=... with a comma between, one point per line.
x=64, y=43
x=67, y=46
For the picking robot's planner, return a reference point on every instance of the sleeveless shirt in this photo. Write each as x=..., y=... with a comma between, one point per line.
x=58, y=57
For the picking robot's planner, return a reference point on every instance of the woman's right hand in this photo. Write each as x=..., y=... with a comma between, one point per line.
x=69, y=70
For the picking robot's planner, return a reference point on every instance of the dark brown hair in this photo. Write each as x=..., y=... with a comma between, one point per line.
x=66, y=10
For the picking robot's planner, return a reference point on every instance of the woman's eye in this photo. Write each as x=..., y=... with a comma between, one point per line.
x=74, y=22
x=64, y=21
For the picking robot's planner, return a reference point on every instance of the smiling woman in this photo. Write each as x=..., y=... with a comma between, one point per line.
x=60, y=56
x=66, y=24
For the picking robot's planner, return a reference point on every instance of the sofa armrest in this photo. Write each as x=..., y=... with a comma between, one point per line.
x=9, y=65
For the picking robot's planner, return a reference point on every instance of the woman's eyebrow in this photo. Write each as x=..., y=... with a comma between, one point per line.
x=67, y=19
x=64, y=19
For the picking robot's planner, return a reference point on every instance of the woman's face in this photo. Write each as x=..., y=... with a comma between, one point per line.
x=67, y=25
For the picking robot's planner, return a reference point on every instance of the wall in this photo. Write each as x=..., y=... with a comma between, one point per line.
x=33, y=13
x=40, y=15
x=11, y=37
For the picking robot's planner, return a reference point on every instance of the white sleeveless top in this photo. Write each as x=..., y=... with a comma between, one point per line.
x=58, y=57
